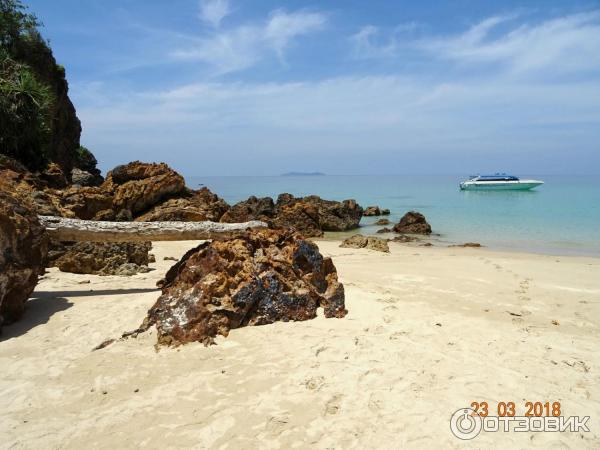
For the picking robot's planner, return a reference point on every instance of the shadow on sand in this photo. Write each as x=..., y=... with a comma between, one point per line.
x=43, y=304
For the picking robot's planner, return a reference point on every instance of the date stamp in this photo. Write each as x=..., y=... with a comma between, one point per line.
x=527, y=416
x=509, y=409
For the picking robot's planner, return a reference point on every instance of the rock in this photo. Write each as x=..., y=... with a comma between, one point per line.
x=405, y=238
x=375, y=211
x=385, y=230
x=169, y=258
x=300, y=216
x=151, y=258
x=101, y=258
x=413, y=223
x=54, y=176
x=139, y=186
x=251, y=209
x=83, y=178
x=194, y=206
x=468, y=244
x=23, y=247
x=310, y=215
x=368, y=242
x=382, y=222
x=335, y=216
x=264, y=277
x=87, y=203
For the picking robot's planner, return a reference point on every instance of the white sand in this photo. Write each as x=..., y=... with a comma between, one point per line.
x=386, y=376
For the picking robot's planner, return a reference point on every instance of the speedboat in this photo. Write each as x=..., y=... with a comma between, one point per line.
x=498, y=182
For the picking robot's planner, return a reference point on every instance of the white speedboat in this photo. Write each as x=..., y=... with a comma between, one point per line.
x=498, y=182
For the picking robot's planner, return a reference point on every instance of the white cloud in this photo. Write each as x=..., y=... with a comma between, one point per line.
x=561, y=45
x=214, y=11
x=241, y=47
x=564, y=44
x=242, y=128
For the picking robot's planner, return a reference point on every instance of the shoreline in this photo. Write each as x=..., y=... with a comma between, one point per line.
x=439, y=242
x=428, y=331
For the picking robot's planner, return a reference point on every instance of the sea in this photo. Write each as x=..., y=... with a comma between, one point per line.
x=562, y=217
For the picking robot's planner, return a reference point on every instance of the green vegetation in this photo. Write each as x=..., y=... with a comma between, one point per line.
x=25, y=113
x=25, y=101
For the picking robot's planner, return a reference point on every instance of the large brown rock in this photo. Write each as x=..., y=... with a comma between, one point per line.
x=251, y=209
x=264, y=277
x=368, y=242
x=310, y=215
x=375, y=211
x=23, y=247
x=413, y=223
x=101, y=258
x=194, y=206
x=87, y=203
x=332, y=215
x=139, y=186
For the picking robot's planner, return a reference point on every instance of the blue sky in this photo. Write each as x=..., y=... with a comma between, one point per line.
x=231, y=87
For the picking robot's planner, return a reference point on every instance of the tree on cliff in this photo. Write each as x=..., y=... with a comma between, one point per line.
x=38, y=121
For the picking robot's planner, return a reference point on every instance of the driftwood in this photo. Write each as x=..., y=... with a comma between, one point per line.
x=63, y=229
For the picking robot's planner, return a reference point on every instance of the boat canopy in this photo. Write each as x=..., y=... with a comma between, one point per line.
x=495, y=177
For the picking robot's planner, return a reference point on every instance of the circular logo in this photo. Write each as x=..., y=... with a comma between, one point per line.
x=465, y=424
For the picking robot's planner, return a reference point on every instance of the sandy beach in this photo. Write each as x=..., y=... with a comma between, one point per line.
x=429, y=330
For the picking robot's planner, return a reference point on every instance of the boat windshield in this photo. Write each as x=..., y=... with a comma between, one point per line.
x=497, y=177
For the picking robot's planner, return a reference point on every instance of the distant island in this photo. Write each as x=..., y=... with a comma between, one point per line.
x=303, y=174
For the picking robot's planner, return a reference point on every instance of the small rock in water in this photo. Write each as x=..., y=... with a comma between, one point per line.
x=413, y=223
x=368, y=242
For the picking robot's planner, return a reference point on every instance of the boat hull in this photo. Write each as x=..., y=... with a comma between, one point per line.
x=500, y=186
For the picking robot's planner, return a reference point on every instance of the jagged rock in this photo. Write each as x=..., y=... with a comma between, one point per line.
x=194, y=206
x=333, y=215
x=251, y=209
x=468, y=244
x=300, y=216
x=139, y=186
x=83, y=178
x=385, y=230
x=413, y=223
x=405, y=238
x=310, y=215
x=264, y=277
x=87, y=203
x=54, y=176
x=101, y=258
x=375, y=211
x=382, y=222
x=23, y=247
x=368, y=242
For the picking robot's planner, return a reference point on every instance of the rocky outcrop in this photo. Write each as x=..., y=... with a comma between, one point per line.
x=413, y=223
x=84, y=178
x=251, y=209
x=264, y=277
x=468, y=245
x=382, y=222
x=385, y=230
x=87, y=203
x=375, y=211
x=310, y=216
x=368, y=242
x=23, y=247
x=100, y=258
x=405, y=238
x=139, y=186
x=194, y=206
x=54, y=176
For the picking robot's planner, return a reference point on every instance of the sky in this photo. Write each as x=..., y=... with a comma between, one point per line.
x=260, y=87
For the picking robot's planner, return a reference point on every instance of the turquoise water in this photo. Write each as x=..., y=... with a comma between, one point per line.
x=560, y=217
